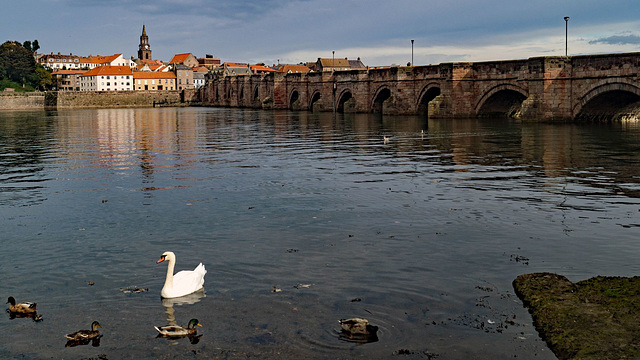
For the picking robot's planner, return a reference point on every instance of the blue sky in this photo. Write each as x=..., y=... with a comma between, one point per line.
x=293, y=31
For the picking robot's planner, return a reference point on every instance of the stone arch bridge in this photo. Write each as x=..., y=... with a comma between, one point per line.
x=542, y=88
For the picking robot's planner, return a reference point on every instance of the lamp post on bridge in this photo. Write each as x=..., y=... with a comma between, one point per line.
x=412, y=52
x=566, y=36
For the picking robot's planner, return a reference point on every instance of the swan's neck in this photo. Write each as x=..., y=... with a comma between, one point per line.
x=168, y=283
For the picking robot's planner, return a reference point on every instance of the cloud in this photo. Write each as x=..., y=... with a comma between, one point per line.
x=617, y=40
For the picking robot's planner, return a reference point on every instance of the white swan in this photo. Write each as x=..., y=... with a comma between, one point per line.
x=182, y=283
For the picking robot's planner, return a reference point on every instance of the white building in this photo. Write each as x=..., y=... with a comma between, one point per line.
x=113, y=60
x=59, y=61
x=107, y=78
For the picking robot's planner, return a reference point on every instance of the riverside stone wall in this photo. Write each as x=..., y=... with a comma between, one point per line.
x=114, y=99
x=97, y=99
x=21, y=101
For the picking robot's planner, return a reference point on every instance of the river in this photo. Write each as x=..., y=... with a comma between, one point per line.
x=302, y=219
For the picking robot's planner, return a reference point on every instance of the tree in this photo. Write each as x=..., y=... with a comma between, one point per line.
x=41, y=78
x=16, y=62
x=35, y=46
x=27, y=45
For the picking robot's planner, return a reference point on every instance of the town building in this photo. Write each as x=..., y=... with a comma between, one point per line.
x=144, y=49
x=154, y=80
x=184, y=76
x=209, y=62
x=293, y=69
x=60, y=62
x=260, y=68
x=330, y=64
x=107, y=78
x=230, y=69
x=198, y=79
x=92, y=62
x=67, y=80
x=185, y=59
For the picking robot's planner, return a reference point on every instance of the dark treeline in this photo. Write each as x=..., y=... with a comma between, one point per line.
x=18, y=67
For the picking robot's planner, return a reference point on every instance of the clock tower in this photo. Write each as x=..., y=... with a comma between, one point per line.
x=144, y=51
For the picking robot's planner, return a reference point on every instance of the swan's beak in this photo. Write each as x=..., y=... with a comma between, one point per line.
x=160, y=260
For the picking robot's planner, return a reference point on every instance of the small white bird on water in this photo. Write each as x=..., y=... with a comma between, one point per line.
x=182, y=283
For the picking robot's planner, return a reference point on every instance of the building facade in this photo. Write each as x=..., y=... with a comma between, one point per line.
x=67, y=80
x=184, y=76
x=59, y=61
x=154, y=80
x=107, y=78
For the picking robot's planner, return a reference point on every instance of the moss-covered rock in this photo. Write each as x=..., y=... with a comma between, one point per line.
x=596, y=318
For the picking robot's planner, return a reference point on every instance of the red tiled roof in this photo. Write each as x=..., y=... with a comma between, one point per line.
x=179, y=58
x=108, y=70
x=153, y=75
x=99, y=59
x=256, y=68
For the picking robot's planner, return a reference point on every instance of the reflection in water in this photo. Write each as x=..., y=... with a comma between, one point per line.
x=190, y=299
x=95, y=342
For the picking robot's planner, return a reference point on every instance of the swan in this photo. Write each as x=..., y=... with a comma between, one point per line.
x=182, y=283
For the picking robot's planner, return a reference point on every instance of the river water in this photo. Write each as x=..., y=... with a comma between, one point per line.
x=302, y=219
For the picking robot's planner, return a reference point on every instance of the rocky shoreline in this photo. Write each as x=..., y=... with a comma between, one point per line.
x=595, y=318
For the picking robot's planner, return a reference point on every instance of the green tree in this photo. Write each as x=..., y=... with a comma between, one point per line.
x=27, y=45
x=41, y=78
x=16, y=62
x=35, y=46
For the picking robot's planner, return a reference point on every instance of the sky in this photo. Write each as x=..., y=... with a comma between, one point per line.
x=294, y=31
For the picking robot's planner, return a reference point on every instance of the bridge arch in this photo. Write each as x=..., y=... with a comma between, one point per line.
x=345, y=97
x=428, y=93
x=293, y=97
x=256, y=94
x=377, y=104
x=317, y=95
x=503, y=99
x=607, y=101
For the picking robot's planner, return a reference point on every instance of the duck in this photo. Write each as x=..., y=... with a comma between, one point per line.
x=21, y=308
x=182, y=283
x=179, y=331
x=82, y=335
x=358, y=326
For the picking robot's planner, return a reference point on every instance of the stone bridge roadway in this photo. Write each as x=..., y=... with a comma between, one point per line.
x=542, y=88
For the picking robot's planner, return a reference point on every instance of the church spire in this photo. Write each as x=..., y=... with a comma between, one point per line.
x=144, y=49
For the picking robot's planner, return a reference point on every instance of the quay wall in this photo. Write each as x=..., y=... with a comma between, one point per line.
x=97, y=99
x=22, y=101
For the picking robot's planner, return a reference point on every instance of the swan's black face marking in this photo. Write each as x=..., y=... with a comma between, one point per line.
x=162, y=258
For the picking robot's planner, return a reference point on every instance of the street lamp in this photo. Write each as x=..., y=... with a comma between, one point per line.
x=411, y=52
x=333, y=60
x=566, y=36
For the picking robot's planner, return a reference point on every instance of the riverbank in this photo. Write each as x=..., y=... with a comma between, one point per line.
x=96, y=99
x=592, y=319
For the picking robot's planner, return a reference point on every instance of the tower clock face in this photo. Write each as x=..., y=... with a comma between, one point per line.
x=146, y=47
